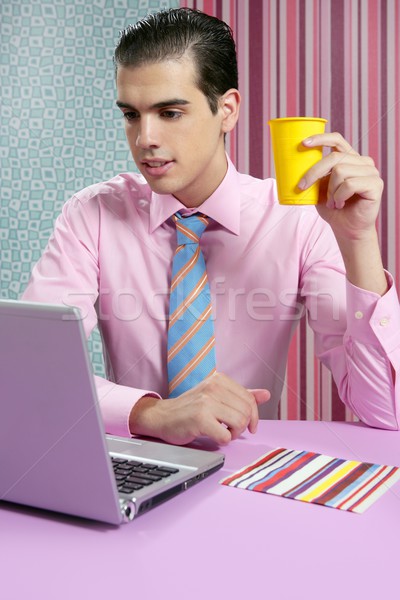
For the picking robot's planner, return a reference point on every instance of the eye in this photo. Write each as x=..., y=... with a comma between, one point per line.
x=171, y=114
x=130, y=116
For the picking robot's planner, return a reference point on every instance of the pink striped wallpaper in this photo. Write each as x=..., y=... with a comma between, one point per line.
x=338, y=59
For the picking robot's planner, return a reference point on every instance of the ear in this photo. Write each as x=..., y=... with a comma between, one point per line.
x=229, y=107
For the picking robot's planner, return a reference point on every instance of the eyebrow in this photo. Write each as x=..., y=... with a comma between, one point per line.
x=157, y=105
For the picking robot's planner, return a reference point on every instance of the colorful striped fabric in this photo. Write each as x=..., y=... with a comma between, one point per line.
x=191, y=342
x=337, y=59
x=310, y=477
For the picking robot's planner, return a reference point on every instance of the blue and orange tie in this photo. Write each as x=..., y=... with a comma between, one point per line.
x=191, y=342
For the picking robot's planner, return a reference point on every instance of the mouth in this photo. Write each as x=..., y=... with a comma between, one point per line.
x=154, y=163
x=156, y=167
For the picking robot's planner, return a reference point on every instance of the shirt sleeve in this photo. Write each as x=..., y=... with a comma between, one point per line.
x=372, y=343
x=357, y=334
x=68, y=273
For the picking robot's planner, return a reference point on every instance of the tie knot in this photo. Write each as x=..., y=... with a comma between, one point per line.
x=189, y=229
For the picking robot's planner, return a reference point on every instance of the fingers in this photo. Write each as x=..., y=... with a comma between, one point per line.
x=236, y=407
x=260, y=397
x=243, y=401
x=344, y=173
x=218, y=432
x=230, y=404
x=330, y=140
x=335, y=161
x=343, y=186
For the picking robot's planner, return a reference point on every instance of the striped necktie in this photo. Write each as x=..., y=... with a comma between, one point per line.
x=191, y=342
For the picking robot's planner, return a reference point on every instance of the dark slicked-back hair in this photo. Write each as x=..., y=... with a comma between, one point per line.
x=170, y=34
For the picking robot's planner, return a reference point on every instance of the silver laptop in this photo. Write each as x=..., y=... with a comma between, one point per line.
x=54, y=453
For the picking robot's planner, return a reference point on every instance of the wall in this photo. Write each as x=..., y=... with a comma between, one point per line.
x=59, y=127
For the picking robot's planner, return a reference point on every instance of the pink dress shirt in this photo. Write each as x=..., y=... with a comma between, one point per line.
x=111, y=254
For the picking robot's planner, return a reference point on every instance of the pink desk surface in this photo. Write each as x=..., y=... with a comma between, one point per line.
x=216, y=542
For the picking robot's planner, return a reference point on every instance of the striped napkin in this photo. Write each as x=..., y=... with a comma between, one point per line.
x=311, y=477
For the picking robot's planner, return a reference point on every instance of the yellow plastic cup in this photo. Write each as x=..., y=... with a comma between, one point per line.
x=292, y=159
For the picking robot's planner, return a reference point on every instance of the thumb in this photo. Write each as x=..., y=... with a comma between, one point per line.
x=261, y=396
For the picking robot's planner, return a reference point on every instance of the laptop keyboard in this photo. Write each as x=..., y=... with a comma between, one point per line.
x=132, y=475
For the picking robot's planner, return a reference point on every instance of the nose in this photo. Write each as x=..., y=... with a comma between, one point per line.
x=147, y=135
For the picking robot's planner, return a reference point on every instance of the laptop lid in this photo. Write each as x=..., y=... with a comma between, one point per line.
x=53, y=450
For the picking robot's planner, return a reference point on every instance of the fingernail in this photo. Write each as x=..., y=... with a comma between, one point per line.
x=302, y=184
x=308, y=141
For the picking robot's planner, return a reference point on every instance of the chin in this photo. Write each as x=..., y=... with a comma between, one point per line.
x=160, y=188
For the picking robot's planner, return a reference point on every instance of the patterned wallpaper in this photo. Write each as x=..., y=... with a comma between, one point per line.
x=59, y=128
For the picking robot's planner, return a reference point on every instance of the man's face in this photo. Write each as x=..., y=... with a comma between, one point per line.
x=175, y=140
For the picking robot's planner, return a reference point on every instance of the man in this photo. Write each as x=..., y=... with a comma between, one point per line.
x=113, y=247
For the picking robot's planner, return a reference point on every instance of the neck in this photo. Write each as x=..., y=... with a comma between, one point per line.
x=202, y=190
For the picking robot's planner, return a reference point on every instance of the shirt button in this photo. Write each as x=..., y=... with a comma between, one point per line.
x=359, y=314
x=383, y=322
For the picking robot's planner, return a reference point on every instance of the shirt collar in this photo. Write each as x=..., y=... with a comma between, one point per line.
x=223, y=206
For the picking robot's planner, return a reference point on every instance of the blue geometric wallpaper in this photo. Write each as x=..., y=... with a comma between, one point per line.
x=59, y=128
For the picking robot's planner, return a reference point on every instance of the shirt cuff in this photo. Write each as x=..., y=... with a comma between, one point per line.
x=373, y=319
x=116, y=403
